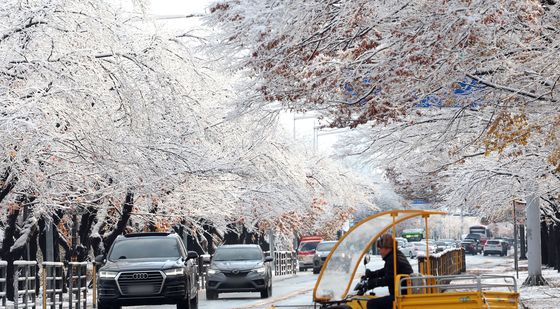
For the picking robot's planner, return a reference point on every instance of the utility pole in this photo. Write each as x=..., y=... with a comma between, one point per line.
x=49, y=230
x=515, y=235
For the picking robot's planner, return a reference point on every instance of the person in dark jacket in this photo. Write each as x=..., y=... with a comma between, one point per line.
x=384, y=276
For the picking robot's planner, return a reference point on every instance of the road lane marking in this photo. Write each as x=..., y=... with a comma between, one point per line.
x=275, y=299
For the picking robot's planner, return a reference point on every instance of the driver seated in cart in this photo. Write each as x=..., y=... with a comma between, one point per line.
x=384, y=276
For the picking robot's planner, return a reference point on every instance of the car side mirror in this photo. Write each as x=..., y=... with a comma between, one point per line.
x=366, y=259
x=268, y=259
x=100, y=259
x=192, y=255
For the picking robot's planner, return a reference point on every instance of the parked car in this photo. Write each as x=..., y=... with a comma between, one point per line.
x=401, y=240
x=306, y=251
x=470, y=245
x=495, y=246
x=407, y=249
x=508, y=241
x=419, y=247
x=239, y=268
x=442, y=245
x=321, y=252
x=451, y=243
x=147, y=269
x=480, y=240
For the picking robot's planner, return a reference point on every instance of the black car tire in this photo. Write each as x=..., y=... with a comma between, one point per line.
x=267, y=292
x=183, y=305
x=194, y=302
x=485, y=254
x=316, y=270
x=211, y=295
x=410, y=254
x=302, y=269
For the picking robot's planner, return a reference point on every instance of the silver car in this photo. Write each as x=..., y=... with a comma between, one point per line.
x=407, y=249
x=321, y=252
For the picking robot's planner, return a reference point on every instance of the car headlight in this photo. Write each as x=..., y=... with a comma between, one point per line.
x=212, y=271
x=174, y=272
x=107, y=274
x=260, y=270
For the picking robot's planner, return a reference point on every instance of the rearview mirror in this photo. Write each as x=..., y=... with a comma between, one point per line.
x=192, y=255
x=268, y=259
x=366, y=259
x=100, y=259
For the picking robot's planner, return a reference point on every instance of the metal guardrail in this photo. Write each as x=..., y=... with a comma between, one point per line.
x=3, y=286
x=77, y=285
x=25, y=276
x=285, y=263
x=449, y=262
x=437, y=284
x=53, y=284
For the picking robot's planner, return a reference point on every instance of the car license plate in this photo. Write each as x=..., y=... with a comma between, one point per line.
x=141, y=289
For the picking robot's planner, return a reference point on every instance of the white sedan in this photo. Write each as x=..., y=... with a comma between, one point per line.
x=407, y=249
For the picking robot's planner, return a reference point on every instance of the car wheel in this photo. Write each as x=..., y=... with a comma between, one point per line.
x=410, y=254
x=302, y=269
x=266, y=293
x=485, y=254
x=316, y=270
x=211, y=295
x=194, y=302
x=183, y=305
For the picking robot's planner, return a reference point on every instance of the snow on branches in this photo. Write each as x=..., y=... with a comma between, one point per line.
x=399, y=67
x=101, y=114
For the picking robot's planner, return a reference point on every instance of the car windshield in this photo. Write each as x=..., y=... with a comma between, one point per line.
x=325, y=246
x=441, y=243
x=308, y=245
x=145, y=248
x=238, y=254
x=466, y=241
x=493, y=242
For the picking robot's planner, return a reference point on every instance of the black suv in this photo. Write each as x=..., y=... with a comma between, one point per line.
x=148, y=269
x=239, y=268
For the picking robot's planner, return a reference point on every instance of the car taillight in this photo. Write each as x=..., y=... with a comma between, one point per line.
x=306, y=252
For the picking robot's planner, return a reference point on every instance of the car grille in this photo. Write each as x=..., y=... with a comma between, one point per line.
x=240, y=274
x=141, y=283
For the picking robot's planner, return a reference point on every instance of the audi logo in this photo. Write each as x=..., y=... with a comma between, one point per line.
x=235, y=271
x=139, y=276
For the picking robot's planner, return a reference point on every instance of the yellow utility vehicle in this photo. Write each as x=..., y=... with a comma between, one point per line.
x=440, y=283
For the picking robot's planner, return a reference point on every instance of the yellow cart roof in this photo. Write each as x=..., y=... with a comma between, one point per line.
x=339, y=272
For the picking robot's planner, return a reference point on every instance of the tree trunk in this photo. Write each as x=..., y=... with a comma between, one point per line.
x=209, y=230
x=8, y=182
x=123, y=221
x=534, y=241
x=544, y=242
x=5, y=254
x=86, y=223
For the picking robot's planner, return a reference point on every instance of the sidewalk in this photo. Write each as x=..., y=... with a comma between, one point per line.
x=537, y=297
x=541, y=297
